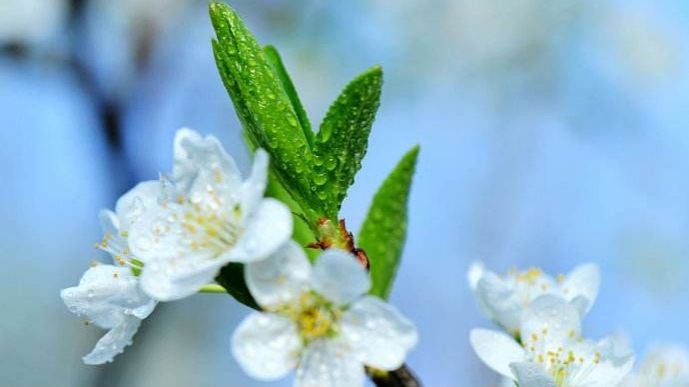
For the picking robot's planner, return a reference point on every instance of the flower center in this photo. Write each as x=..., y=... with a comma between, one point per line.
x=204, y=223
x=531, y=283
x=315, y=316
x=565, y=365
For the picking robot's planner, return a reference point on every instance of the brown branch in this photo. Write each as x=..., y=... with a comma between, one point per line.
x=401, y=377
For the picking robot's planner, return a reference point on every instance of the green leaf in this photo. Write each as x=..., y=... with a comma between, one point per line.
x=384, y=230
x=263, y=106
x=342, y=140
x=274, y=58
x=231, y=277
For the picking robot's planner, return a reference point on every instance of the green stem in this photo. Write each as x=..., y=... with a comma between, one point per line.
x=212, y=288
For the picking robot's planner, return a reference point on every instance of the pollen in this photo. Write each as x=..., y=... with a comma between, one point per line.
x=314, y=316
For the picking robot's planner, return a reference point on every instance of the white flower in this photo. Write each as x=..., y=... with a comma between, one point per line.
x=109, y=295
x=664, y=366
x=552, y=353
x=502, y=299
x=318, y=320
x=206, y=217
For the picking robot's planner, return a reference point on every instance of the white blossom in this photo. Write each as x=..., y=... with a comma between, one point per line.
x=552, y=352
x=665, y=365
x=318, y=320
x=206, y=217
x=503, y=298
x=110, y=296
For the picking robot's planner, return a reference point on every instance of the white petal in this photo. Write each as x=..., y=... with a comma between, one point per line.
x=106, y=294
x=496, y=349
x=584, y=281
x=476, y=271
x=279, y=278
x=202, y=161
x=611, y=368
x=254, y=187
x=113, y=342
x=172, y=279
x=377, y=333
x=499, y=302
x=153, y=237
x=532, y=375
x=268, y=229
x=109, y=222
x=327, y=363
x=266, y=345
x=553, y=315
x=581, y=304
x=135, y=202
x=339, y=277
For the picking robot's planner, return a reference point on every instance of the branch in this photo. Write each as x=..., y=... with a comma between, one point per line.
x=401, y=377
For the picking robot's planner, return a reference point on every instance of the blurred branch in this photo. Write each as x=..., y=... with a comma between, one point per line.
x=401, y=377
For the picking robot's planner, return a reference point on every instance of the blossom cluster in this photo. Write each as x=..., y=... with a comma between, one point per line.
x=543, y=345
x=169, y=238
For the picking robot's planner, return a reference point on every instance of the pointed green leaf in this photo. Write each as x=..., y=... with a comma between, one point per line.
x=342, y=139
x=231, y=277
x=384, y=230
x=262, y=104
x=276, y=61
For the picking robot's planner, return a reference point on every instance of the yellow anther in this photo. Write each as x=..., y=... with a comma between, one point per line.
x=534, y=337
x=560, y=278
x=571, y=333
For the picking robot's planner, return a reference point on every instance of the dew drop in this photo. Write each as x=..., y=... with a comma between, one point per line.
x=330, y=163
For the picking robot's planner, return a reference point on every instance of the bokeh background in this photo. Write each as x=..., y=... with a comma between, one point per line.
x=552, y=133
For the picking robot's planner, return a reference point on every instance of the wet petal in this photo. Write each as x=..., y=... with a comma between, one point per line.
x=377, y=333
x=268, y=229
x=496, y=349
x=551, y=321
x=339, y=277
x=327, y=363
x=113, y=342
x=532, y=375
x=279, y=278
x=172, y=279
x=583, y=281
x=499, y=302
x=106, y=294
x=608, y=371
x=135, y=202
x=266, y=345
x=201, y=161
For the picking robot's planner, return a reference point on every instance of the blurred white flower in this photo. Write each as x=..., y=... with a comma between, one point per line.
x=318, y=320
x=552, y=352
x=503, y=299
x=205, y=217
x=109, y=295
x=664, y=366
x=31, y=21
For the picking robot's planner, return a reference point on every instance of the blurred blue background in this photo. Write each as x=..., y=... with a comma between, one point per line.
x=552, y=133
